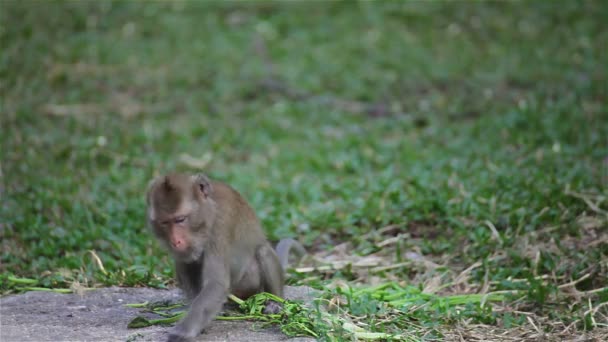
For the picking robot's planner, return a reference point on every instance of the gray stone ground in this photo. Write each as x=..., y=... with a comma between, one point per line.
x=100, y=315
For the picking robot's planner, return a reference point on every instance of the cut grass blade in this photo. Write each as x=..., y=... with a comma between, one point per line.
x=22, y=281
x=44, y=289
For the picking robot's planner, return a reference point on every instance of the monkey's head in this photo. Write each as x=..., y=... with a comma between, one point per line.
x=181, y=212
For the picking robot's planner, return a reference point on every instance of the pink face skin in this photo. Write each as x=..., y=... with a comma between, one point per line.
x=180, y=228
x=178, y=236
x=184, y=245
x=174, y=227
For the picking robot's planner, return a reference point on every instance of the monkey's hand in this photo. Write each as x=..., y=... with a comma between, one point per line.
x=178, y=334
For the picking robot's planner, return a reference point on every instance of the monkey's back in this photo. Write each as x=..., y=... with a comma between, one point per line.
x=236, y=215
x=244, y=232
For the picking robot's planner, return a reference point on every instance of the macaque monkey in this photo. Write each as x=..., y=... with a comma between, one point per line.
x=217, y=243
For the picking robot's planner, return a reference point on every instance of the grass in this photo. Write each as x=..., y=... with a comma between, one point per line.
x=457, y=148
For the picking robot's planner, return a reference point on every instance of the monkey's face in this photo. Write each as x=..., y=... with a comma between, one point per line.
x=180, y=215
x=180, y=232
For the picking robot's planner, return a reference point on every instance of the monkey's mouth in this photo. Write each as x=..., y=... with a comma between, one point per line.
x=185, y=255
x=188, y=255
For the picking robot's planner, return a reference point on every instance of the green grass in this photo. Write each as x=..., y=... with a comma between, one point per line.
x=482, y=168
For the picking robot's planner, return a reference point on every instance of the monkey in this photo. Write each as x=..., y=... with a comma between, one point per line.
x=217, y=244
x=284, y=248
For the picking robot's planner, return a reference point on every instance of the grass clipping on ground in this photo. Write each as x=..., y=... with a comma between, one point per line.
x=294, y=318
x=333, y=314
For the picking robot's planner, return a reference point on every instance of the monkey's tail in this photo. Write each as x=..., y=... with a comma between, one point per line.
x=284, y=247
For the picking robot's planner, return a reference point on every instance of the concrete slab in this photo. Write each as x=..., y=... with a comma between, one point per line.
x=100, y=315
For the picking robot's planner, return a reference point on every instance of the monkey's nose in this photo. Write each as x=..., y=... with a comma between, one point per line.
x=179, y=244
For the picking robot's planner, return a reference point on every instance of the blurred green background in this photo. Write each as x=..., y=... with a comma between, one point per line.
x=478, y=129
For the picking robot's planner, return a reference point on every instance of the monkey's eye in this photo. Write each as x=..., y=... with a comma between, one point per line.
x=180, y=219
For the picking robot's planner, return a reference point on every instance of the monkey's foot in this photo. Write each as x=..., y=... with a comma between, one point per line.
x=272, y=308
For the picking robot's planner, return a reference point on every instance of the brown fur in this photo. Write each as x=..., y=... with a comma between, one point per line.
x=227, y=250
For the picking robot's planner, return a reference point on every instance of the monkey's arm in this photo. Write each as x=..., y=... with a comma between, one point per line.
x=209, y=301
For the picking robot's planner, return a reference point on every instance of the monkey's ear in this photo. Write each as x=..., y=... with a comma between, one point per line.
x=204, y=184
x=151, y=184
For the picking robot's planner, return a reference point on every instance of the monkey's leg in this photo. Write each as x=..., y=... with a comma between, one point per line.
x=189, y=278
x=271, y=271
x=249, y=281
x=272, y=276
